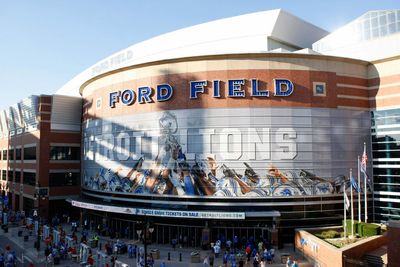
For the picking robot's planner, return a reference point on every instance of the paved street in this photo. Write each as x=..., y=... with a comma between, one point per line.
x=26, y=250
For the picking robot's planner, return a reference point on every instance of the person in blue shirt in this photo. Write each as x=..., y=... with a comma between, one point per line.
x=269, y=256
x=2, y=260
x=232, y=258
x=130, y=251
x=235, y=243
x=254, y=252
x=225, y=259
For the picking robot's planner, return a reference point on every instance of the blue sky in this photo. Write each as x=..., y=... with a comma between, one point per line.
x=44, y=44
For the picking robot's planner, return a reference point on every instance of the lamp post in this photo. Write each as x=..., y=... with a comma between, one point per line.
x=147, y=228
x=37, y=197
x=39, y=194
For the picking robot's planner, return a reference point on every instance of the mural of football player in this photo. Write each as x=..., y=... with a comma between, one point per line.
x=171, y=174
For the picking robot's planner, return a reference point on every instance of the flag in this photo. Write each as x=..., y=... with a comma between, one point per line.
x=346, y=201
x=364, y=160
x=354, y=184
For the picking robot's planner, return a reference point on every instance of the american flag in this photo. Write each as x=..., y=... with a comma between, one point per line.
x=364, y=160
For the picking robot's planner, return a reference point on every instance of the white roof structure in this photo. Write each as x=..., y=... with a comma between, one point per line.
x=372, y=36
x=259, y=32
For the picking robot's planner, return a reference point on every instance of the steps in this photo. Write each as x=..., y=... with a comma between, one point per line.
x=377, y=257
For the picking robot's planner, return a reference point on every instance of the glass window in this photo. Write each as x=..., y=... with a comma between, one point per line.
x=366, y=25
x=18, y=153
x=387, y=171
x=30, y=178
x=382, y=20
x=392, y=28
x=64, y=179
x=386, y=146
x=391, y=17
x=3, y=175
x=383, y=30
x=5, y=154
x=375, y=33
x=30, y=153
x=386, y=154
x=10, y=175
x=374, y=22
x=11, y=154
x=65, y=153
x=17, y=177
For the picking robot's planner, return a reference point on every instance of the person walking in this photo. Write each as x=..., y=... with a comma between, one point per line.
x=205, y=262
x=256, y=260
x=217, y=250
x=2, y=260
x=225, y=259
x=289, y=262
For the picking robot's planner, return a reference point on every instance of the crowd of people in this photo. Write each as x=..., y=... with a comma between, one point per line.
x=244, y=252
x=231, y=252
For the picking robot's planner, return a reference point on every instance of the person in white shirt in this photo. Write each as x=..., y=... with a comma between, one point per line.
x=217, y=250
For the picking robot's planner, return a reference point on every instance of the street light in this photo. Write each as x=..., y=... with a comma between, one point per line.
x=37, y=197
x=39, y=194
x=146, y=228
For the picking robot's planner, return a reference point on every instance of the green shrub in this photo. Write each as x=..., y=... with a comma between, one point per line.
x=328, y=234
x=348, y=227
x=360, y=228
x=371, y=229
x=319, y=236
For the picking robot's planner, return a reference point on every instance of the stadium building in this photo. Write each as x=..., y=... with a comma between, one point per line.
x=243, y=126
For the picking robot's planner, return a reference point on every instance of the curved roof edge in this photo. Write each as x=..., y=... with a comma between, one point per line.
x=272, y=54
x=257, y=32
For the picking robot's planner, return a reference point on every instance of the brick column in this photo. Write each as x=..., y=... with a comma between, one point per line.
x=393, y=243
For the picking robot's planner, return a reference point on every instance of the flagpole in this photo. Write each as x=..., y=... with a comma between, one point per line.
x=359, y=189
x=365, y=190
x=352, y=205
x=344, y=208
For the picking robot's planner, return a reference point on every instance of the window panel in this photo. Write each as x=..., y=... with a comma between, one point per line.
x=11, y=154
x=17, y=177
x=64, y=179
x=64, y=153
x=29, y=178
x=10, y=175
x=30, y=153
x=18, y=154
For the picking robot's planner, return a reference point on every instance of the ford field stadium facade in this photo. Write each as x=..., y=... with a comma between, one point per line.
x=244, y=126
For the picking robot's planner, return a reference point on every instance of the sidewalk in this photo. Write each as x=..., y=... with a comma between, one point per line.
x=32, y=253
